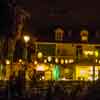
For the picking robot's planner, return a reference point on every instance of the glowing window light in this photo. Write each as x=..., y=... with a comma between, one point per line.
x=82, y=72
x=91, y=72
x=35, y=62
x=88, y=53
x=62, y=61
x=84, y=35
x=66, y=61
x=40, y=68
x=84, y=38
x=91, y=52
x=91, y=68
x=63, y=79
x=90, y=78
x=56, y=60
x=96, y=53
x=99, y=61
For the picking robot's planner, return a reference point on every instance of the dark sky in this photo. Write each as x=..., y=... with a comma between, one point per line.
x=45, y=14
x=63, y=11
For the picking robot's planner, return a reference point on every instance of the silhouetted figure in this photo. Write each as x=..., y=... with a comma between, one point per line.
x=76, y=91
x=20, y=82
x=49, y=93
x=34, y=78
x=12, y=85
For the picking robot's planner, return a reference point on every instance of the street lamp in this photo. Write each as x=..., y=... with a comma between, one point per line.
x=26, y=38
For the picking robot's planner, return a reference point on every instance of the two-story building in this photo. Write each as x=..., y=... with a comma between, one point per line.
x=72, y=60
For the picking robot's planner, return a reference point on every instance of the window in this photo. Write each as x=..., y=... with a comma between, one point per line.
x=84, y=35
x=59, y=33
x=59, y=36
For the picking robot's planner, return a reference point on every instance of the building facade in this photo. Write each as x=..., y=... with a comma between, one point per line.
x=73, y=60
x=76, y=61
x=58, y=59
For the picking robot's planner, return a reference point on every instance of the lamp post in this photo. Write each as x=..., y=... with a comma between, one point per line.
x=26, y=40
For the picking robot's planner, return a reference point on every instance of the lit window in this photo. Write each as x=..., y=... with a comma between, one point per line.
x=84, y=35
x=59, y=33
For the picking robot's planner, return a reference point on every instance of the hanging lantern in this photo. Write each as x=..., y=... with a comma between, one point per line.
x=71, y=60
x=62, y=61
x=49, y=59
x=56, y=60
x=66, y=61
x=45, y=60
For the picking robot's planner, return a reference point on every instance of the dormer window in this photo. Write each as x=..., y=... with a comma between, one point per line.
x=84, y=35
x=59, y=34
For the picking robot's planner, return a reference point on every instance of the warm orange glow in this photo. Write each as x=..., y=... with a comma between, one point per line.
x=45, y=60
x=26, y=38
x=20, y=60
x=7, y=62
x=66, y=61
x=56, y=60
x=62, y=61
x=35, y=62
x=41, y=67
x=49, y=59
x=71, y=60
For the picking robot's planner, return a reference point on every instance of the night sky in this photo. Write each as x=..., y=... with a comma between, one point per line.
x=46, y=14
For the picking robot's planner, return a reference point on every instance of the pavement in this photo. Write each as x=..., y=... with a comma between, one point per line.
x=30, y=92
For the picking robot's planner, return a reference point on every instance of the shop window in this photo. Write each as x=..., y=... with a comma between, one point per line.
x=97, y=51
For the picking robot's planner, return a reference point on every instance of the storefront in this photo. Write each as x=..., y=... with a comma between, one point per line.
x=86, y=72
